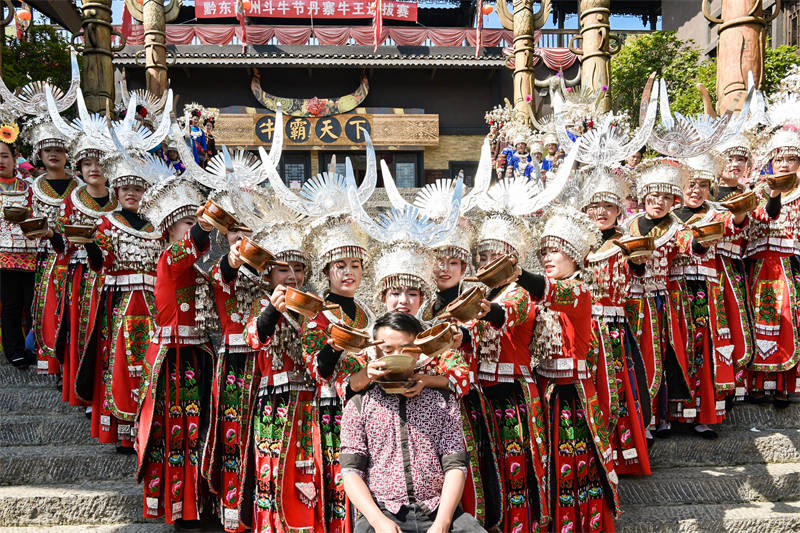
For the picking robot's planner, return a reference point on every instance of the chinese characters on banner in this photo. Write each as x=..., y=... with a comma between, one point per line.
x=304, y=9
x=336, y=130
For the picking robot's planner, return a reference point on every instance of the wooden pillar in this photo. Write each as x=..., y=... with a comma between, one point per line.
x=523, y=22
x=154, y=15
x=97, y=79
x=596, y=49
x=740, y=49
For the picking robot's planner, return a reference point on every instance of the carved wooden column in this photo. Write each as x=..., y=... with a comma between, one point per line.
x=154, y=15
x=97, y=79
x=523, y=22
x=740, y=49
x=596, y=49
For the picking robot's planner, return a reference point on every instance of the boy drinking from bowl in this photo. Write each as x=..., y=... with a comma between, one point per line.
x=403, y=459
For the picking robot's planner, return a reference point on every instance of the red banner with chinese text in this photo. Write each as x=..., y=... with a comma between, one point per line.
x=305, y=9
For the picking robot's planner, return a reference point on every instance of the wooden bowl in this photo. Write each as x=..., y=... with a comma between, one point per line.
x=435, y=340
x=15, y=214
x=79, y=233
x=399, y=366
x=495, y=273
x=219, y=218
x=256, y=256
x=466, y=306
x=307, y=304
x=782, y=182
x=708, y=231
x=34, y=227
x=350, y=339
x=637, y=246
x=741, y=203
x=393, y=386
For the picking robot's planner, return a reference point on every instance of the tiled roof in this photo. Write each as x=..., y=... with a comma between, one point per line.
x=326, y=56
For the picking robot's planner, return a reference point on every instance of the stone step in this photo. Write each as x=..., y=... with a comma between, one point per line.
x=26, y=430
x=764, y=416
x=731, y=448
x=86, y=502
x=736, y=517
x=107, y=528
x=714, y=485
x=9, y=375
x=23, y=399
x=40, y=465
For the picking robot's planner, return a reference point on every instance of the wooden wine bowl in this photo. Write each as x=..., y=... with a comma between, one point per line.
x=307, y=304
x=15, y=214
x=436, y=340
x=707, y=232
x=79, y=233
x=741, y=203
x=350, y=339
x=219, y=218
x=34, y=227
x=466, y=307
x=495, y=273
x=634, y=247
x=256, y=256
x=782, y=182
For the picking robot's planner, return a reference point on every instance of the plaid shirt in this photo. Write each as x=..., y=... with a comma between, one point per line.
x=402, y=445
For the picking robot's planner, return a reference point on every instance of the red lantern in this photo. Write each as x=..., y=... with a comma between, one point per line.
x=246, y=5
x=24, y=15
x=487, y=9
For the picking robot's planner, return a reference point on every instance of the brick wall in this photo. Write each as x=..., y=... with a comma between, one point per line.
x=453, y=148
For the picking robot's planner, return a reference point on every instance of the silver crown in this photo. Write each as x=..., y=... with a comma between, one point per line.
x=736, y=145
x=459, y=243
x=335, y=238
x=136, y=168
x=662, y=176
x=41, y=133
x=705, y=167
x=170, y=200
x=285, y=239
x=784, y=141
x=404, y=264
x=570, y=231
x=87, y=135
x=604, y=186
x=30, y=99
x=504, y=233
x=325, y=194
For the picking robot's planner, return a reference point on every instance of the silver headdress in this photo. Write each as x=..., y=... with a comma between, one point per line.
x=434, y=199
x=41, y=133
x=139, y=168
x=603, y=186
x=334, y=238
x=30, y=99
x=785, y=111
x=406, y=258
x=736, y=145
x=136, y=137
x=784, y=141
x=152, y=103
x=607, y=144
x=705, y=167
x=325, y=194
x=87, y=135
x=662, y=176
x=684, y=137
x=171, y=200
x=571, y=232
x=285, y=238
x=505, y=233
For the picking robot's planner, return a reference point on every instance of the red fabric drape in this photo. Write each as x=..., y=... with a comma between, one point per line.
x=292, y=34
x=557, y=58
x=408, y=36
x=334, y=35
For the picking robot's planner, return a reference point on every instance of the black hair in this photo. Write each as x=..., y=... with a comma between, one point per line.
x=399, y=322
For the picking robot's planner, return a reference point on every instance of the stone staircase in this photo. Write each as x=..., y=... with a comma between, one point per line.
x=54, y=476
